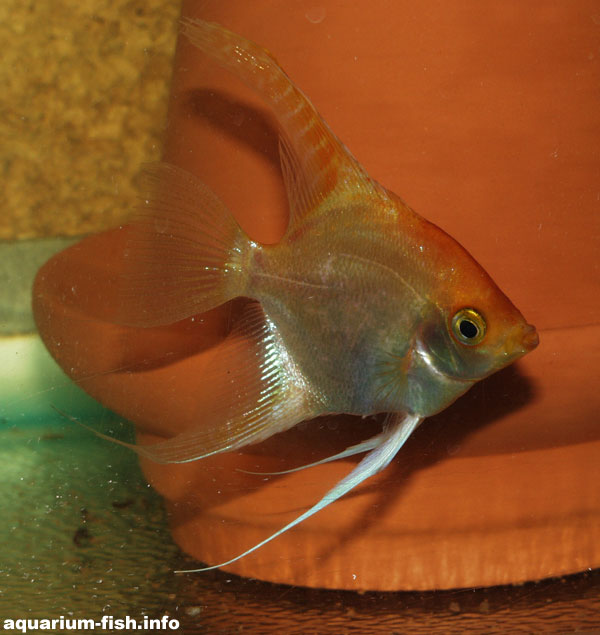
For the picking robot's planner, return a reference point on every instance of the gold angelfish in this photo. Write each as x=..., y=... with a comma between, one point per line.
x=363, y=307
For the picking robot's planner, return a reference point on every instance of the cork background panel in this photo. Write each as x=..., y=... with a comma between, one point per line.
x=82, y=106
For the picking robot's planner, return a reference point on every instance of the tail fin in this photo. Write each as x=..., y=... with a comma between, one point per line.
x=185, y=251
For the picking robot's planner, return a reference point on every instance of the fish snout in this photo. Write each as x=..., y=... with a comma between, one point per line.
x=529, y=338
x=521, y=340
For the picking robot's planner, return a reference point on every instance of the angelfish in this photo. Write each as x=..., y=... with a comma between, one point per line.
x=363, y=307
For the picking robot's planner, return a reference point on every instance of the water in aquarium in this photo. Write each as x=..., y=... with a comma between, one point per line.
x=299, y=317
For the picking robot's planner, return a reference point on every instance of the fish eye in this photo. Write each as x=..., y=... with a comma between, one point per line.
x=468, y=326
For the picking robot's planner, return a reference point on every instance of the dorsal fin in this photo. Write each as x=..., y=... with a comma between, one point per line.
x=315, y=163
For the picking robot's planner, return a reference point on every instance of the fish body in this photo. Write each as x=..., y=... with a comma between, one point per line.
x=356, y=301
x=363, y=306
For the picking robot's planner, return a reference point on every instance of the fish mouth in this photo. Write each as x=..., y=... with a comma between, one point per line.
x=529, y=338
x=520, y=342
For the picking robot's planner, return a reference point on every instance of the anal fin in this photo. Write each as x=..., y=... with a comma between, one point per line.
x=256, y=390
